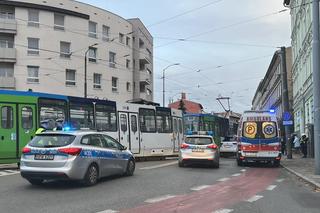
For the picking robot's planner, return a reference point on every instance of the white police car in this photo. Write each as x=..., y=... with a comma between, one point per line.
x=81, y=155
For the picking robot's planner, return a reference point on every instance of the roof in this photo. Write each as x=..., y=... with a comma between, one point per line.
x=191, y=107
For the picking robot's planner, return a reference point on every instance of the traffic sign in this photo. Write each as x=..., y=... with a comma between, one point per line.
x=287, y=123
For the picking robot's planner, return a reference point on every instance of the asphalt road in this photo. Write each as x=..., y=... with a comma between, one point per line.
x=161, y=186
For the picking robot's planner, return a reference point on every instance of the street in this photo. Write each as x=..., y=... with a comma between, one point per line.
x=161, y=186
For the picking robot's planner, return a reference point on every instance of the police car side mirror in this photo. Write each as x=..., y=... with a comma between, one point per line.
x=124, y=148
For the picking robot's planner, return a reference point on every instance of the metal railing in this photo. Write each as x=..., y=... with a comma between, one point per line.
x=6, y=44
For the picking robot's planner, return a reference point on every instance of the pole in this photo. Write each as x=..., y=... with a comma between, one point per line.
x=85, y=75
x=316, y=82
x=285, y=100
x=163, y=88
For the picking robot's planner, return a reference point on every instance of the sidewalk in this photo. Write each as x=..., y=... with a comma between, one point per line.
x=8, y=166
x=303, y=168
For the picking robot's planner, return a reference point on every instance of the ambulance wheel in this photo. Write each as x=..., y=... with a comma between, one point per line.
x=35, y=182
x=130, y=168
x=92, y=175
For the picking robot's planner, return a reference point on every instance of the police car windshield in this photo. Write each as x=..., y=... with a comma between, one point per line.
x=51, y=140
x=198, y=141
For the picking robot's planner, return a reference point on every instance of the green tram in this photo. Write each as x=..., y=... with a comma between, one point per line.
x=218, y=126
x=22, y=113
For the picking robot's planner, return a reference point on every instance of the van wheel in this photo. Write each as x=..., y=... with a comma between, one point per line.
x=92, y=175
x=216, y=165
x=239, y=162
x=35, y=182
x=130, y=168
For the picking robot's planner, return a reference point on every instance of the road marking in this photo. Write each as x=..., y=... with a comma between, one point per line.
x=235, y=175
x=159, y=166
x=108, y=211
x=8, y=172
x=158, y=199
x=280, y=180
x=254, y=198
x=271, y=187
x=198, y=188
x=223, y=179
x=243, y=170
x=223, y=211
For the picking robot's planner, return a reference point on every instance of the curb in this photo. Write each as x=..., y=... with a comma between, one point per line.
x=308, y=180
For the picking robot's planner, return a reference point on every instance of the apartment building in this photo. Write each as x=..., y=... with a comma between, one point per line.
x=301, y=41
x=43, y=45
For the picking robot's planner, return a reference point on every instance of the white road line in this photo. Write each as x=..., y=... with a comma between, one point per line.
x=280, y=180
x=8, y=172
x=243, y=170
x=254, y=198
x=271, y=187
x=223, y=211
x=159, y=166
x=223, y=179
x=158, y=199
x=108, y=211
x=197, y=188
x=235, y=175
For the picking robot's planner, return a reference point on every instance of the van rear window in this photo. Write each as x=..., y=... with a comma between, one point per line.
x=56, y=140
x=259, y=130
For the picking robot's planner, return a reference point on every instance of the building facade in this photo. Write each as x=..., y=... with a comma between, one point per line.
x=269, y=92
x=301, y=40
x=43, y=46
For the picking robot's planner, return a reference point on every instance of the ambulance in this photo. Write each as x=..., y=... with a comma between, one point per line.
x=259, y=138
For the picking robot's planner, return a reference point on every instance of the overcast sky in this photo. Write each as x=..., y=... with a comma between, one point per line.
x=232, y=54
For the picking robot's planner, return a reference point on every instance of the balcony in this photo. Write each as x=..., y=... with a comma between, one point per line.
x=145, y=77
x=7, y=54
x=8, y=24
x=145, y=56
x=7, y=83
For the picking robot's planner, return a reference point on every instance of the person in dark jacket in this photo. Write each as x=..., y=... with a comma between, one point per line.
x=304, y=141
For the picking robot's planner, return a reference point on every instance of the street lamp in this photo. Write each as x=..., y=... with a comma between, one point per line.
x=163, y=82
x=85, y=70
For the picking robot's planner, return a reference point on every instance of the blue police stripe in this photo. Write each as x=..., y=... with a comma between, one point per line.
x=103, y=154
x=258, y=141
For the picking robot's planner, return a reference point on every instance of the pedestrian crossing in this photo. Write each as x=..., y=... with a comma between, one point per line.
x=8, y=172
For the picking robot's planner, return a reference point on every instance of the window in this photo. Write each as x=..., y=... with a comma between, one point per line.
x=97, y=81
x=92, y=29
x=65, y=49
x=93, y=54
x=92, y=140
x=134, y=126
x=81, y=115
x=147, y=120
x=128, y=87
x=56, y=140
x=112, y=59
x=106, y=119
x=123, y=123
x=105, y=33
x=128, y=41
x=70, y=77
x=164, y=121
x=142, y=88
x=58, y=21
x=27, y=118
x=33, y=74
x=114, y=84
x=33, y=18
x=121, y=38
x=141, y=43
x=111, y=143
x=33, y=46
x=127, y=63
x=7, y=117
x=52, y=113
x=6, y=70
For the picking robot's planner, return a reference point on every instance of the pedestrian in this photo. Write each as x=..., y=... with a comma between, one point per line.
x=304, y=141
x=283, y=146
x=296, y=144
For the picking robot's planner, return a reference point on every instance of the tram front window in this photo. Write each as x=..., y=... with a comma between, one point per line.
x=106, y=119
x=52, y=113
x=81, y=115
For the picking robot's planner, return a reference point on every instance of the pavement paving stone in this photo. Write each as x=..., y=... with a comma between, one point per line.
x=302, y=167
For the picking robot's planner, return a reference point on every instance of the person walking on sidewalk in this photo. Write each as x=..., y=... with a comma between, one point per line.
x=304, y=141
x=296, y=144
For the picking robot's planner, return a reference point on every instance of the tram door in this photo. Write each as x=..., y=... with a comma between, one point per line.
x=27, y=124
x=8, y=131
x=175, y=133
x=129, y=131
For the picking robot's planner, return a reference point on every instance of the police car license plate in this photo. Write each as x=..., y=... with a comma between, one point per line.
x=197, y=150
x=44, y=157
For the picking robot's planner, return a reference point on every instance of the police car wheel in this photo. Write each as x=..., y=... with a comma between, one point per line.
x=35, y=181
x=130, y=168
x=91, y=177
x=181, y=164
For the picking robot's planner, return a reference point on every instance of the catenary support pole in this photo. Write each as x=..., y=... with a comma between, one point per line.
x=285, y=100
x=316, y=82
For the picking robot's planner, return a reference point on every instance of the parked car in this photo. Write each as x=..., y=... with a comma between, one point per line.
x=228, y=147
x=81, y=155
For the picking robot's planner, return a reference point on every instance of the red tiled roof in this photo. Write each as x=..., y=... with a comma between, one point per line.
x=191, y=107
